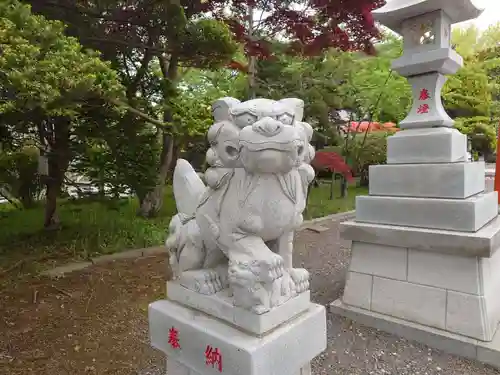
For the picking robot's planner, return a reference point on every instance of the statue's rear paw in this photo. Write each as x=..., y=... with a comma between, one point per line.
x=300, y=277
x=206, y=282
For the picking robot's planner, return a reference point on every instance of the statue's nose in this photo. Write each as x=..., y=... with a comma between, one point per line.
x=268, y=127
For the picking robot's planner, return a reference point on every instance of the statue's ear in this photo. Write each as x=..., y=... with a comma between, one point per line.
x=297, y=105
x=221, y=108
x=308, y=130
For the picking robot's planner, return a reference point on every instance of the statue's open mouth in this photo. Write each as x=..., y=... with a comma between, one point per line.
x=273, y=145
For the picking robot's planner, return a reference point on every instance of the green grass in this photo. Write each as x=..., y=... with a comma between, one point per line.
x=90, y=228
x=320, y=203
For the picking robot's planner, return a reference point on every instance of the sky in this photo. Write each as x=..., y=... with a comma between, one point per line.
x=490, y=16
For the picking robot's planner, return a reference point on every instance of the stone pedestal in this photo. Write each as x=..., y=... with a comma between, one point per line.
x=200, y=344
x=425, y=262
x=434, y=286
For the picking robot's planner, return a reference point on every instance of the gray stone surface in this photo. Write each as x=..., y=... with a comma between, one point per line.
x=441, y=60
x=433, y=337
x=436, y=145
x=280, y=352
x=445, y=180
x=432, y=83
x=68, y=268
x=117, y=256
x=358, y=290
x=466, y=315
x=379, y=260
x=221, y=306
x=483, y=243
x=452, y=272
x=412, y=302
x=468, y=215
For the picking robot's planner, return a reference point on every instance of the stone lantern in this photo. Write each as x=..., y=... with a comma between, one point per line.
x=424, y=260
x=428, y=56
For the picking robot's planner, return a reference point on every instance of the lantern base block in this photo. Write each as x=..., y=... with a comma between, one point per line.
x=440, y=180
x=427, y=145
x=485, y=352
x=461, y=215
x=205, y=345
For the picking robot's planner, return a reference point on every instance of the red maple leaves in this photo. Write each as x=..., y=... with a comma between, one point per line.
x=346, y=24
x=332, y=162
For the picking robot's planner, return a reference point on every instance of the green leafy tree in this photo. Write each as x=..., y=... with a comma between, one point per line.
x=150, y=44
x=47, y=84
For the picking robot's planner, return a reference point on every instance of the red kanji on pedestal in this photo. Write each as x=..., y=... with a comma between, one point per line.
x=173, y=338
x=424, y=94
x=424, y=108
x=213, y=357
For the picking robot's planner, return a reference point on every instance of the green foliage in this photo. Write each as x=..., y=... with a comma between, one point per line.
x=481, y=133
x=91, y=228
x=468, y=93
x=365, y=152
x=371, y=88
x=320, y=203
x=18, y=175
x=340, y=80
x=42, y=69
x=207, y=44
x=465, y=40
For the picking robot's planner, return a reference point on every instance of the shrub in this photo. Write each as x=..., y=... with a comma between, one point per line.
x=19, y=175
x=481, y=134
x=363, y=153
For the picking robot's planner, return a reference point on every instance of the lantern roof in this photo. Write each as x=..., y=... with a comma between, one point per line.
x=395, y=12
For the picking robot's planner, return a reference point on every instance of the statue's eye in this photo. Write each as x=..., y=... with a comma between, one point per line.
x=285, y=118
x=245, y=119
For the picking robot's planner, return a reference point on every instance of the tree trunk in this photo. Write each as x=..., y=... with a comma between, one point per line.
x=252, y=60
x=332, y=184
x=57, y=137
x=51, y=219
x=152, y=202
x=343, y=187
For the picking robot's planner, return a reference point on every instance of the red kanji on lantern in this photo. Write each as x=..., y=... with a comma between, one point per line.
x=424, y=108
x=213, y=357
x=424, y=94
x=173, y=338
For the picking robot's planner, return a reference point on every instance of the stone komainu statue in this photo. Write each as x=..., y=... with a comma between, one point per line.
x=237, y=231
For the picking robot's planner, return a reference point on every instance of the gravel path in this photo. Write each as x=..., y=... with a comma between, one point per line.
x=355, y=349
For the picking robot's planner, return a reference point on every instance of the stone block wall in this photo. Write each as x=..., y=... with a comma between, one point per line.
x=452, y=293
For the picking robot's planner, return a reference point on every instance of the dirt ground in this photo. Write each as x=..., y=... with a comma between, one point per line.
x=91, y=322
x=95, y=322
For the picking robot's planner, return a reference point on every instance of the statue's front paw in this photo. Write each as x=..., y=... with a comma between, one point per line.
x=206, y=282
x=270, y=269
x=300, y=278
